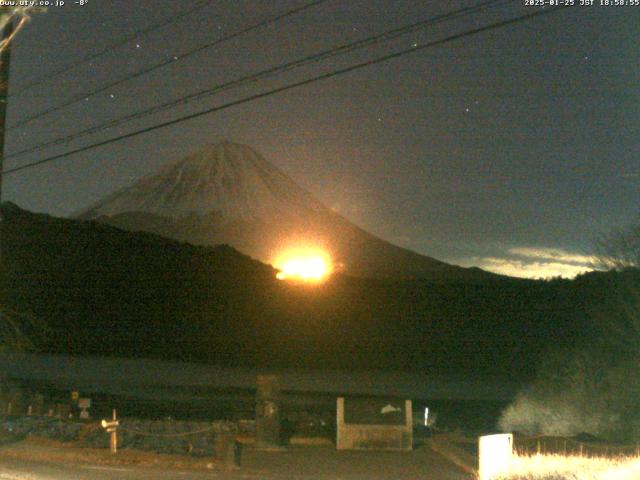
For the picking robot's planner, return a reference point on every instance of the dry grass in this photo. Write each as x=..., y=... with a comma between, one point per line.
x=46, y=450
x=573, y=467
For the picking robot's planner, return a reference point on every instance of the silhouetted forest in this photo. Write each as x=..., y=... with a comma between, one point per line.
x=105, y=291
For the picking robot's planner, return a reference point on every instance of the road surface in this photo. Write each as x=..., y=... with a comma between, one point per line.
x=296, y=463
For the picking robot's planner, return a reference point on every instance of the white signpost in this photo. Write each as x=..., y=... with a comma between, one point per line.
x=495, y=452
x=84, y=404
x=112, y=427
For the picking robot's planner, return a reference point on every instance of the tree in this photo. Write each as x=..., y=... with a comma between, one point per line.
x=619, y=249
x=591, y=386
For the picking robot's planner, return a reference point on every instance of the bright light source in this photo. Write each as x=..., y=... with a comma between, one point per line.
x=426, y=416
x=496, y=453
x=308, y=265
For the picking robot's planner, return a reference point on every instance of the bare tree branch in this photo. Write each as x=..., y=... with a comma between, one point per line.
x=619, y=249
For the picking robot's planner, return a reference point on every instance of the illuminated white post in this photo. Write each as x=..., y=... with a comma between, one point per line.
x=495, y=453
x=112, y=427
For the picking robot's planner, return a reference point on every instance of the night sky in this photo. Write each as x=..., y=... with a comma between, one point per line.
x=511, y=150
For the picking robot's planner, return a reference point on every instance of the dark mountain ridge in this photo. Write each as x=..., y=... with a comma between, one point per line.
x=106, y=291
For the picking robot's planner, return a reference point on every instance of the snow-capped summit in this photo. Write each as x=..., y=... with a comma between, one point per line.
x=228, y=193
x=228, y=178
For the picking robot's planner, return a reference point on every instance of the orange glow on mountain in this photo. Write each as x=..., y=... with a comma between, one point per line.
x=305, y=264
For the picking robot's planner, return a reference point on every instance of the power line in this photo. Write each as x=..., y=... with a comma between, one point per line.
x=253, y=78
x=117, y=44
x=162, y=64
x=291, y=86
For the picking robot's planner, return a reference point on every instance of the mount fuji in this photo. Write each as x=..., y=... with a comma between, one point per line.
x=227, y=193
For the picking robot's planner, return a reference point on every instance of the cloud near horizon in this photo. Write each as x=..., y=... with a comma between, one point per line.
x=535, y=262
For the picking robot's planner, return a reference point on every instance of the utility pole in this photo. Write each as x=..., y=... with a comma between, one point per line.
x=5, y=64
x=5, y=59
